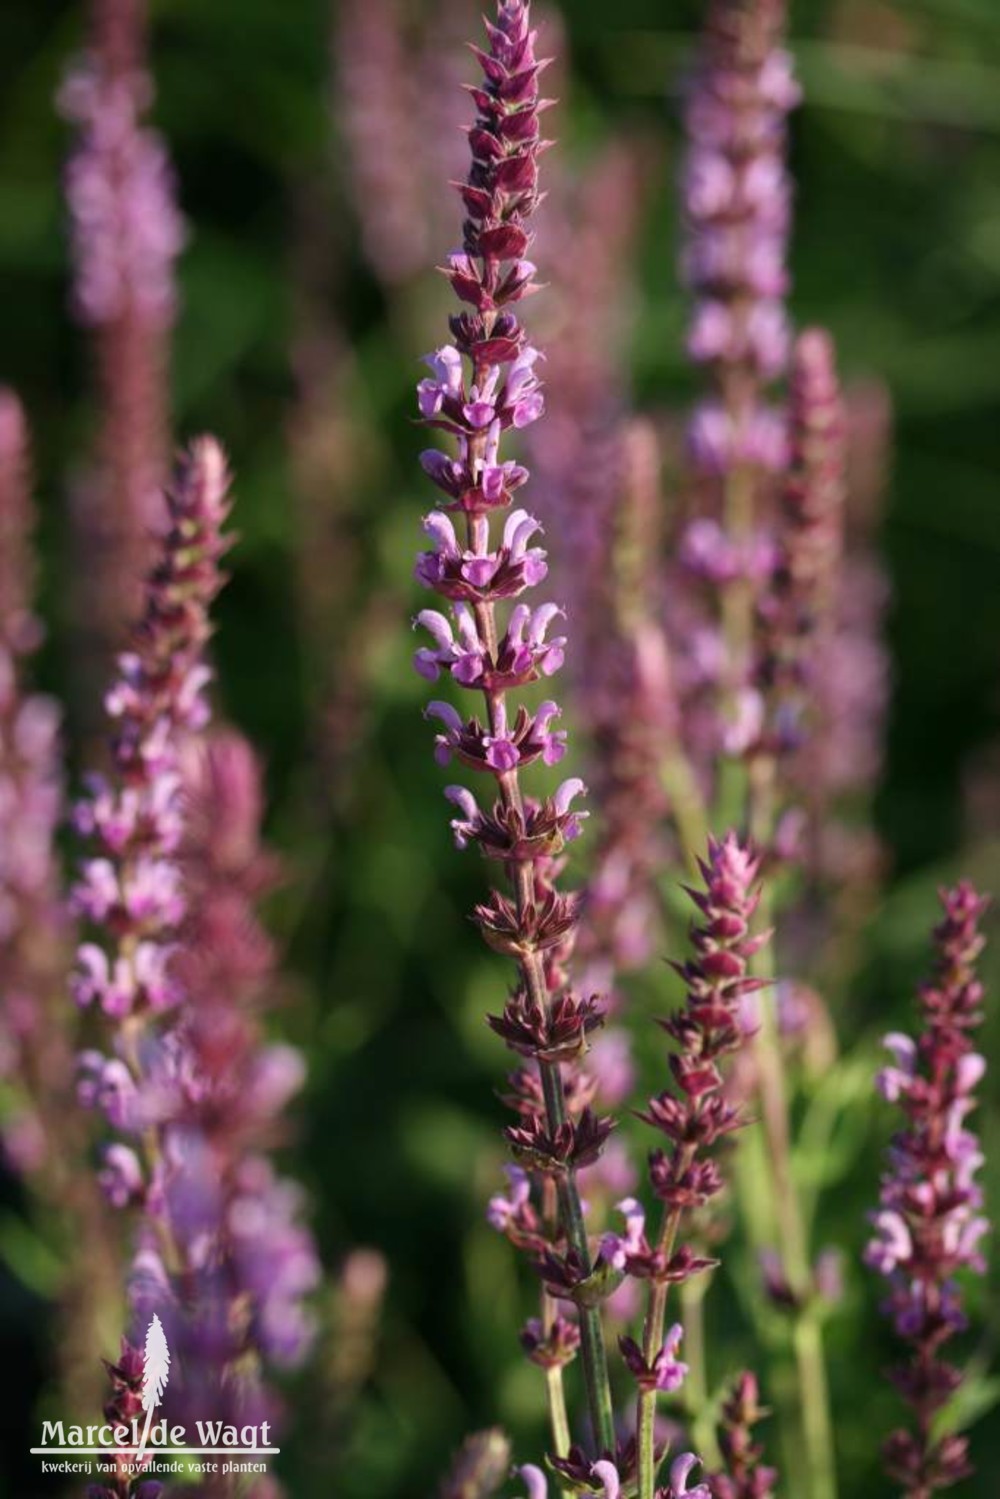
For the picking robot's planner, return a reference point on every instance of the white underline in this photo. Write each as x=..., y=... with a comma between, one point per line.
x=153, y=1451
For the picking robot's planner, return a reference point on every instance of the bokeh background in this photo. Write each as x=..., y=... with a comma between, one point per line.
x=301, y=354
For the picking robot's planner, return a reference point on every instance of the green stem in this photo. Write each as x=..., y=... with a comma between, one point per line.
x=555, y=1388
x=652, y=1341
x=815, y=1396
x=807, y=1337
x=737, y=610
x=558, y=1418
x=592, y=1350
x=693, y=1293
x=687, y=805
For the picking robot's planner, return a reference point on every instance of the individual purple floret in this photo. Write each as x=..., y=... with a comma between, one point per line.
x=480, y=387
x=930, y=1222
x=681, y=1480
x=126, y=234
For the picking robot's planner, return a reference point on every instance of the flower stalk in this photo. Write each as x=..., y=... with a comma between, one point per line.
x=930, y=1222
x=481, y=386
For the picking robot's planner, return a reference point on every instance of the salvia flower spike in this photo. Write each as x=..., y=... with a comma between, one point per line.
x=35, y=1053
x=745, y=1476
x=930, y=1223
x=481, y=386
x=126, y=233
x=693, y=1117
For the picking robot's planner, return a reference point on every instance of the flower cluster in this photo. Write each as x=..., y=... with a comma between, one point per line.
x=35, y=1056
x=745, y=1477
x=130, y=889
x=481, y=386
x=930, y=1222
x=126, y=233
x=696, y=1114
x=736, y=196
x=799, y=601
x=233, y=1087
x=607, y=1480
x=191, y=1089
x=737, y=201
x=399, y=73
x=693, y=1116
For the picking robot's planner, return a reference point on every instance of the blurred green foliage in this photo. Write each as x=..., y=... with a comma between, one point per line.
x=897, y=249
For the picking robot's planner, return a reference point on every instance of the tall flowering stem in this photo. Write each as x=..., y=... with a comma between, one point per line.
x=126, y=234
x=693, y=1119
x=737, y=202
x=481, y=386
x=41, y=1128
x=794, y=623
x=930, y=1219
x=179, y=969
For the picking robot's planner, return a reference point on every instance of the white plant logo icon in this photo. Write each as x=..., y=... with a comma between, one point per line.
x=155, y=1373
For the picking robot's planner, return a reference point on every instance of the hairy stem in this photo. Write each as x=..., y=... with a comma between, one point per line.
x=652, y=1340
x=592, y=1349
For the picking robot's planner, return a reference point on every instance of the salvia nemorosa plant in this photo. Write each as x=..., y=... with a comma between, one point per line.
x=733, y=685
x=930, y=1222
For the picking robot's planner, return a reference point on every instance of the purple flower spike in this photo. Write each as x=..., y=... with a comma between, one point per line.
x=693, y=1116
x=126, y=234
x=796, y=611
x=130, y=887
x=177, y=965
x=930, y=1221
x=737, y=197
x=483, y=384
x=744, y=1475
x=36, y=1062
